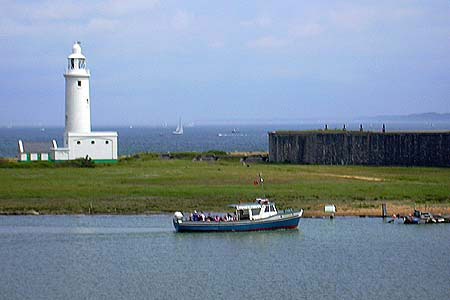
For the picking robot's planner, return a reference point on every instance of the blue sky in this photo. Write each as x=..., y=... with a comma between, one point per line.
x=213, y=61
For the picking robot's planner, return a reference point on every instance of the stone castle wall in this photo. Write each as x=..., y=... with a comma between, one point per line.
x=360, y=148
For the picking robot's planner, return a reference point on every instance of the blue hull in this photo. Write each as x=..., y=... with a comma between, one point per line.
x=284, y=223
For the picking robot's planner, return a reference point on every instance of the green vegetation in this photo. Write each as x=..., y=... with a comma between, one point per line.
x=146, y=183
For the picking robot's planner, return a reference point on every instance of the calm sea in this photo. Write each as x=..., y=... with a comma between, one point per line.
x=141, y=257
x=198, y=138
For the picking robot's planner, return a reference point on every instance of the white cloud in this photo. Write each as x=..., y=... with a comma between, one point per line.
x=181, y=20
x=262, y=21
x=357, y=18
x=307, y=30
x=102, y=24
x=267, y=42
x=36, y=17
x=63, y=11
x=121, y=8
x=216, y=44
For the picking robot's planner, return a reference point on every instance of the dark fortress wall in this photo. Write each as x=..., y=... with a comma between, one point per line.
x=360, y=148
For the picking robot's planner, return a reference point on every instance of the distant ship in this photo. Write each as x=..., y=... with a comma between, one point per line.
x=179, y=130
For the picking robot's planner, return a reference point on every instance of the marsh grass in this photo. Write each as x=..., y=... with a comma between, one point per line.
x=145, y=183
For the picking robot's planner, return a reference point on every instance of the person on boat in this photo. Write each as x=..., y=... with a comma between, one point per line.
x=195, y=216
x=216, y=218
x=202, y=217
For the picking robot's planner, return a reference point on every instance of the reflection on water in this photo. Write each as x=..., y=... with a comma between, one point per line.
x=141, y=257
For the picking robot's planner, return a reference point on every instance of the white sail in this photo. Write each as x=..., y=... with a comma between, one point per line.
x=179, y=129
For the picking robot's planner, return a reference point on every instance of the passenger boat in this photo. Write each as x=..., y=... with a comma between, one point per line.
x=259, y=215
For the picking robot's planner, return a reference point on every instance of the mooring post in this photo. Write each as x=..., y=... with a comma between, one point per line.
x=383, y=210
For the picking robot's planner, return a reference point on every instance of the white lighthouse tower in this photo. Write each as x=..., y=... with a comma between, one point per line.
x=79, y=140
x=78, y=107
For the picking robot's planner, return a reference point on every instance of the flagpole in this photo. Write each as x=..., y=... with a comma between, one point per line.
x=261, y=180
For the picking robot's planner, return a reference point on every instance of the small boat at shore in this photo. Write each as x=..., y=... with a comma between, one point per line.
x=259, y=215
x=420, y=218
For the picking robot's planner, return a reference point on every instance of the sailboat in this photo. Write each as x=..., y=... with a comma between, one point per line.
x=179, y=130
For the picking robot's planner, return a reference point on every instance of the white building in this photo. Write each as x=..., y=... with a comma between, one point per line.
x=79, y=140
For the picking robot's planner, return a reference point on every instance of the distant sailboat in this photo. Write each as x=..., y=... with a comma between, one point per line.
x=179, y=130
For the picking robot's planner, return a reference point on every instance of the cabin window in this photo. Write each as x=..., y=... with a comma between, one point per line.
x=255, y=211
x=244, y=215
x=266, y=209
x=78, y=142
x=272, y=208
x=79, y=83
x=106, y=142
x=92, y=142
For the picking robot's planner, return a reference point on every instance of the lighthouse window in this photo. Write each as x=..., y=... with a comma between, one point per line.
x=106, y=142
x=87, y=101
x=92, y=142
x=78, y=142
x=72, y=63
x=79, y=83
x=81, y=64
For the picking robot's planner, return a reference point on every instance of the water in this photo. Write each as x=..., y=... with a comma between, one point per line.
x=199, y=138
x=141, y=257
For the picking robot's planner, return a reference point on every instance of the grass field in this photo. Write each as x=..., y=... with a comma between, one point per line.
x=148, y=184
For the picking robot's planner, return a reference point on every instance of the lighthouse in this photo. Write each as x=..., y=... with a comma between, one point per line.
x=79, y=140
x=78, y=107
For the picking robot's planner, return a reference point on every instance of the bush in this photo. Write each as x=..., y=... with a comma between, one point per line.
x=216, y=152
x=86, y=162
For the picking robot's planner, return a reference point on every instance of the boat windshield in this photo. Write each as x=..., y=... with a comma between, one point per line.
x=255, y=211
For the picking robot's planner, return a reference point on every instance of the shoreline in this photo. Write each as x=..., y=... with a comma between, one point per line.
x=403, y=210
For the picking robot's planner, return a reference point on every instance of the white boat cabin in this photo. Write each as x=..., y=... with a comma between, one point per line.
x=260, y=209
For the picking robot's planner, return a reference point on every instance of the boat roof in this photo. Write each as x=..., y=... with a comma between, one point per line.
x=251, y=205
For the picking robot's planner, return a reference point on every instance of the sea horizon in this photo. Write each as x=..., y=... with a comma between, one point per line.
x=196, y=138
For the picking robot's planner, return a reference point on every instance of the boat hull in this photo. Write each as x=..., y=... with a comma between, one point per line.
x=279, y=222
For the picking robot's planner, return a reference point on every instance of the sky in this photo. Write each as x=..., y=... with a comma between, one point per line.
x=226, y=61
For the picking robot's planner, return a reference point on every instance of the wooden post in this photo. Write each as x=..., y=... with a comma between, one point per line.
x=383, y=210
